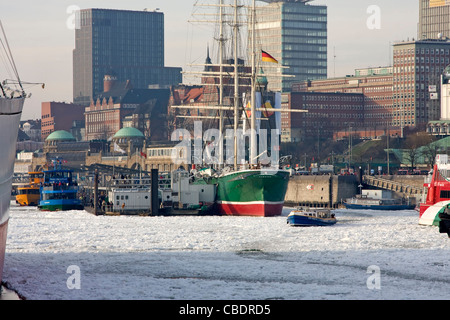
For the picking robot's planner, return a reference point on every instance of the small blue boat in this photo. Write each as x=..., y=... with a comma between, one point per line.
x=311, y=217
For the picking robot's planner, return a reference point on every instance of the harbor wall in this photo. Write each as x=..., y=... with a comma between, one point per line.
x=326, y=191
x=329, y=191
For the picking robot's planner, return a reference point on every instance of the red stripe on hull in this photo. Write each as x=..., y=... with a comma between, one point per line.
x=3, y=232
x=251, y=209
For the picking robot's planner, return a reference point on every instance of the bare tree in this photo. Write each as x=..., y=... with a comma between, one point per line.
x=430, y=152
x=413, y=143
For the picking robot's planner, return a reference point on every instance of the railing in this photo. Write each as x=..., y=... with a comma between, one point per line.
x=62, y=187
x=164, y=181
x=391, y=185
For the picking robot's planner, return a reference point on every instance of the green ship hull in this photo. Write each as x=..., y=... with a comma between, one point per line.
x=60, y=205
x=252, y=192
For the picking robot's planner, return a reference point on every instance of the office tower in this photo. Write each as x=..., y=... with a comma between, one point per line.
x=127, y=44
x=418, y=66
x=294, y=33
x=434, y=19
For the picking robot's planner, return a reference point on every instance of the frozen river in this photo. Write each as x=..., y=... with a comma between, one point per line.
x=366, y=255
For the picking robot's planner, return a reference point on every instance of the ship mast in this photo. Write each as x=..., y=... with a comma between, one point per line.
x=236, y=81
x=237, y=74
x=253, y=148
x=221, y=48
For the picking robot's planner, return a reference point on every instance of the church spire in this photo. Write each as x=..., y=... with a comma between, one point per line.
x=208, y=60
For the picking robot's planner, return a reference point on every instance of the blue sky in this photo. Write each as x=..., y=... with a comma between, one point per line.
x=42, y=43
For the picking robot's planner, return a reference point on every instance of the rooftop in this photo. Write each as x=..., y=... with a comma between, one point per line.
x=128, y=132
x=61, y=135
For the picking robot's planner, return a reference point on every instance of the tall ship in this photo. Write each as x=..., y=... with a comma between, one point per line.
x=11, y=105
x=252, y=192
x=249, y=183
x=436, y=194
x=29, y=194
x=59, y=191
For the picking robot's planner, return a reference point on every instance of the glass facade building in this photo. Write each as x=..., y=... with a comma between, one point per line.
x=434, y=19
x=128, y=43
x=294, y=33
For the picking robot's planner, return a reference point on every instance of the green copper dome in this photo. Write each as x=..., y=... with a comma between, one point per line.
x=128, y=132
x=60, y=135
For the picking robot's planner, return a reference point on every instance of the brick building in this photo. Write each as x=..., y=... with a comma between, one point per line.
x=418, y=66
x=104, y=117
x=328, y=113
x=360, y=101
x=59, y=116
x=404, y=95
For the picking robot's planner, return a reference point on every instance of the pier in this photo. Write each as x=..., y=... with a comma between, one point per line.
x=321, y=191
x=392, y=185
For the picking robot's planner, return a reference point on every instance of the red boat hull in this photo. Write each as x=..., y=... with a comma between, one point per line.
x=255, y=208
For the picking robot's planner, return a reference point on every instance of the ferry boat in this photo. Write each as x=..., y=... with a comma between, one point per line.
x=11, y=105
x=307, y=217
x=377, y=200
x=29, y=195
x=436, y=195
x=59, y=191
x=131, y=196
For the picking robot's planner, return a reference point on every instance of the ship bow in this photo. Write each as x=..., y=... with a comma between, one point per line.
x=252, y=193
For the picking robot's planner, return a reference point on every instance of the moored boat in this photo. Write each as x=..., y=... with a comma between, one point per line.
x=307, y=217
x=59, y=191
x=365, y=203
x=134, y=196
x=378, y=200
x=436, y=192
x=29, y=194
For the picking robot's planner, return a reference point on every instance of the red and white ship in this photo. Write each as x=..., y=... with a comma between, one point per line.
x=436, y=192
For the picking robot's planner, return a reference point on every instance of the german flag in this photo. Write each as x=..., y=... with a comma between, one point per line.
x=268, y=58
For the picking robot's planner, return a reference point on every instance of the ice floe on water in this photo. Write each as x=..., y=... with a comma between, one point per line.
x=366, y=255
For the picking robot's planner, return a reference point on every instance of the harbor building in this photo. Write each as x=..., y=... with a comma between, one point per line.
x=328, y=113
x=59, y=116
x=363, y=100
x=295, y=34
x=131, y=43
x=120, y=104
x=127, y=150
x=434, y=19
x=418, y=65
x=406, y=94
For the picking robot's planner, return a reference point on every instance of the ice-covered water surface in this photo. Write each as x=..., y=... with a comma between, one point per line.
x=366, y=255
